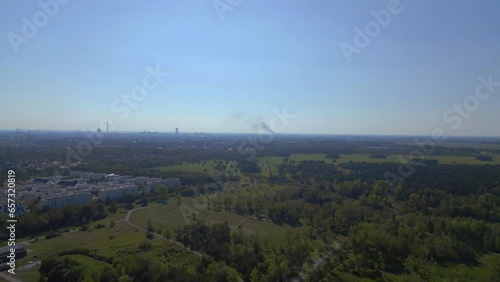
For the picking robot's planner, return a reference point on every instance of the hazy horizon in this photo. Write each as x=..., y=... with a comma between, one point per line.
x=232, y=72
x=259, y=132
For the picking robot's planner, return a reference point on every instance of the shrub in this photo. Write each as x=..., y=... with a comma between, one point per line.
x=145, y=245
x=51, y=235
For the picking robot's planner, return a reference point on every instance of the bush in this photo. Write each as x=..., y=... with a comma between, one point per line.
x=145, y=245
x=52, y=235
x=484, y=158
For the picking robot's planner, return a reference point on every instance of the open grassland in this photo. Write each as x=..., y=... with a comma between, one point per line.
x=467, y=160
x=189, y=167
x=394, y=158
x=89, y=263
x=28, y=275
x=359, y=158
x=450, y=160
x=479, y=272
x=269, y=165
x=461, y=145
x=111, y=242
x=197, y=167
x=309, y=157
x=272, y=160
x=172, y=216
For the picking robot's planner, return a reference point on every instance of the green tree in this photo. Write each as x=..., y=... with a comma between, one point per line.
x=255, y=276
x=163, y=193
x=179, y=198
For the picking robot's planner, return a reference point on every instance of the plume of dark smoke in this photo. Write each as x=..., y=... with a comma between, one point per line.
x=266, y=127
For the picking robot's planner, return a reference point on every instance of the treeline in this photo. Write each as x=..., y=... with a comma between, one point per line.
x=452, y=179
x=134, y=267
x=37, y=221
x=252, y=258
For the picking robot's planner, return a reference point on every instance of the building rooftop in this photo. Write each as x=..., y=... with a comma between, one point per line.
x=67, y=183
x=65, y=195
x=18, y=246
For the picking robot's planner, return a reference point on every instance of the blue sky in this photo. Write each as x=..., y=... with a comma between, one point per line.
x=229, y=75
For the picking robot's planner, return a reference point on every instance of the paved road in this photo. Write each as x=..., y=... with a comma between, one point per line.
x=127, y=220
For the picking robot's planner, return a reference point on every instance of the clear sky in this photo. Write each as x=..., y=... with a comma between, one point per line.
x=228, y=74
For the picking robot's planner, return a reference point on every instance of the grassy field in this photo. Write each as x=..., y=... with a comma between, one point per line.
x=395, y=158
x=107, y=241
x=309, y=157
x=88, y=262
x=358, y=158
x=471, y=273
x=203, y=166
x=462, y=145
x=172, y=216
x=269, y=165
x=272, y=160
x=189, y=167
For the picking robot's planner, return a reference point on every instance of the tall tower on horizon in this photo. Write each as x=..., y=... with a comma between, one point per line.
x=107, y=126
x=176, y=130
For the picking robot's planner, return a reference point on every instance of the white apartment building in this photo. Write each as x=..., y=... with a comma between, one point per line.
x=112, y=178
x=173, y=182
x=20, y=207
x=60, y=201
x=141, y=180
x=118, y=192
x=152, y=183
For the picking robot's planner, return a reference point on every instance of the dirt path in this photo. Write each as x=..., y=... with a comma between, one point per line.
x=127, y=220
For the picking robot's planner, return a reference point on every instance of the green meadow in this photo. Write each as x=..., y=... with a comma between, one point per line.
x=173, y=216
x=107, y=241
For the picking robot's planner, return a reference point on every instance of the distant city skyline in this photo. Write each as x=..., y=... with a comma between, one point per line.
x=409, y=68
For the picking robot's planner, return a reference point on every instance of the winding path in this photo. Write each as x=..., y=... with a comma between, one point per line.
x=241, y=222
x=127, y=220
